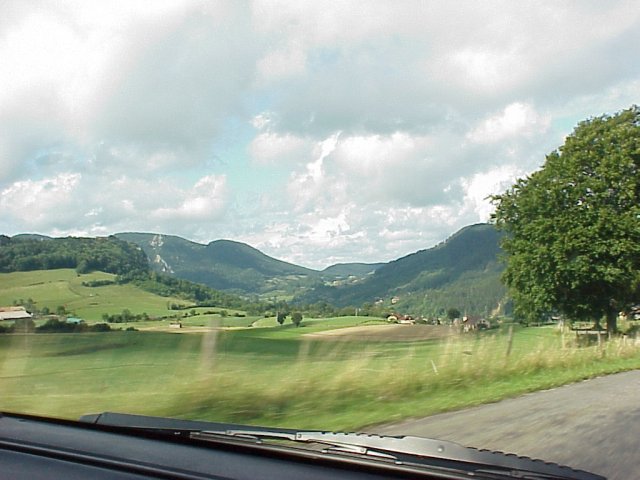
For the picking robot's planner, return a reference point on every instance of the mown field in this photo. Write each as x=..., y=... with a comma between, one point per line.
x=282, y=376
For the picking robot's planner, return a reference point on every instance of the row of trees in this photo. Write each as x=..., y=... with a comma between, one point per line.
x=296, y=318
x=31, y=306
x=197, y=293
x=53, y=325
x=107, y=254
x=321, y=309
x=125, y=317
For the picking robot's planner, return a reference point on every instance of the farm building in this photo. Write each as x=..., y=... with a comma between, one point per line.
x=474, y=323
x=402, y=319
x=13, y=313
x=632, y=314
x=75, y=320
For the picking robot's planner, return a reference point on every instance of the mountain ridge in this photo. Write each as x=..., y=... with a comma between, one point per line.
x=463, y=271
x=221, y=264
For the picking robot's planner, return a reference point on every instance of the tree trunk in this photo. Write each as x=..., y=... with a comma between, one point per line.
x=612, y=321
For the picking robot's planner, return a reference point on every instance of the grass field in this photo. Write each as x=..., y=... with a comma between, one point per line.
x=279, y=376
x=52, y=288
x=230, y=367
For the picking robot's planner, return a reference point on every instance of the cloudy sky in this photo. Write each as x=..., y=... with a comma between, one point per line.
x=319, y=132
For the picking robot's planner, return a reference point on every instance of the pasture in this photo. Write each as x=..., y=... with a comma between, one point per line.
x=285, y=376
x=64, y=287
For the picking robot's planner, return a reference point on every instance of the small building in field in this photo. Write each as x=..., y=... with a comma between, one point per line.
x=401, y=319
x=474, y=323
x=634, y=312
x=13, y=313
x=75, y=320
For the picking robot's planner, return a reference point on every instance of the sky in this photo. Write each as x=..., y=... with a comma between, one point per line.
x=319, y=132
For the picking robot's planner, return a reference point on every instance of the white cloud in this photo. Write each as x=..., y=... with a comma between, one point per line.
x=70, y=202
x=486, y=70
x=28, y=193
x=34, y=204
x=327, y=229
x=372, y=153
x=326, y=23
x=396, y=168
x=204, y=202
x=364, y=131
x=270, y=148
x=480, y=186
x=58, y=63
x=515, y=119
x=309, y=186
x=288, y=61
x=137, y=78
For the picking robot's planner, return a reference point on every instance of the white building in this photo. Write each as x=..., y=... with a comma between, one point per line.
x=13, y=313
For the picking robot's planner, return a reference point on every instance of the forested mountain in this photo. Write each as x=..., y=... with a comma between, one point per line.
x=462, y=272
x=37, y=252
x=222, y=264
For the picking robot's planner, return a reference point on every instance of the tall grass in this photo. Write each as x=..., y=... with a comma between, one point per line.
x=272, y=377
x=379, y=382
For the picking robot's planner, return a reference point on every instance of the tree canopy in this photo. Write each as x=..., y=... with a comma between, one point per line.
x=107, y=254
x=296, y=318
x=572, y=228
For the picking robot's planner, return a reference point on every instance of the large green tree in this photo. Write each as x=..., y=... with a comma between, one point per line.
x=572, y=228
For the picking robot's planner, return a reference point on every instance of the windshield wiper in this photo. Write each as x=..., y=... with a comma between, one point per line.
x=333, y=442
x=399, y=450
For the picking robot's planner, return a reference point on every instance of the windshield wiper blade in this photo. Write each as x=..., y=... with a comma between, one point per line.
x=398, y=449
x=332, y=444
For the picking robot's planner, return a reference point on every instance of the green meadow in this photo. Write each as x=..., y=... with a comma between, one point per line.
x=225, y=366
x=278, y=376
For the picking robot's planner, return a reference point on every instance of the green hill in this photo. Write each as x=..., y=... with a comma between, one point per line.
x=125, y=261
x=462, y=272
x=222, y=264
x=65, y=287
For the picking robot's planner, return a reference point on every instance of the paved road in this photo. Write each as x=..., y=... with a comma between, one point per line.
x=592, y=425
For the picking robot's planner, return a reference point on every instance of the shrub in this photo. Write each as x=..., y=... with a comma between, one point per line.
x=100, y=327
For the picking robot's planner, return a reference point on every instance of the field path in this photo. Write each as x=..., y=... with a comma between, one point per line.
x=593, y=425
x=392, y=332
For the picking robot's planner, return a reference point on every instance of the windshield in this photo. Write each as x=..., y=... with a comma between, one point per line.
x=398, y=218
